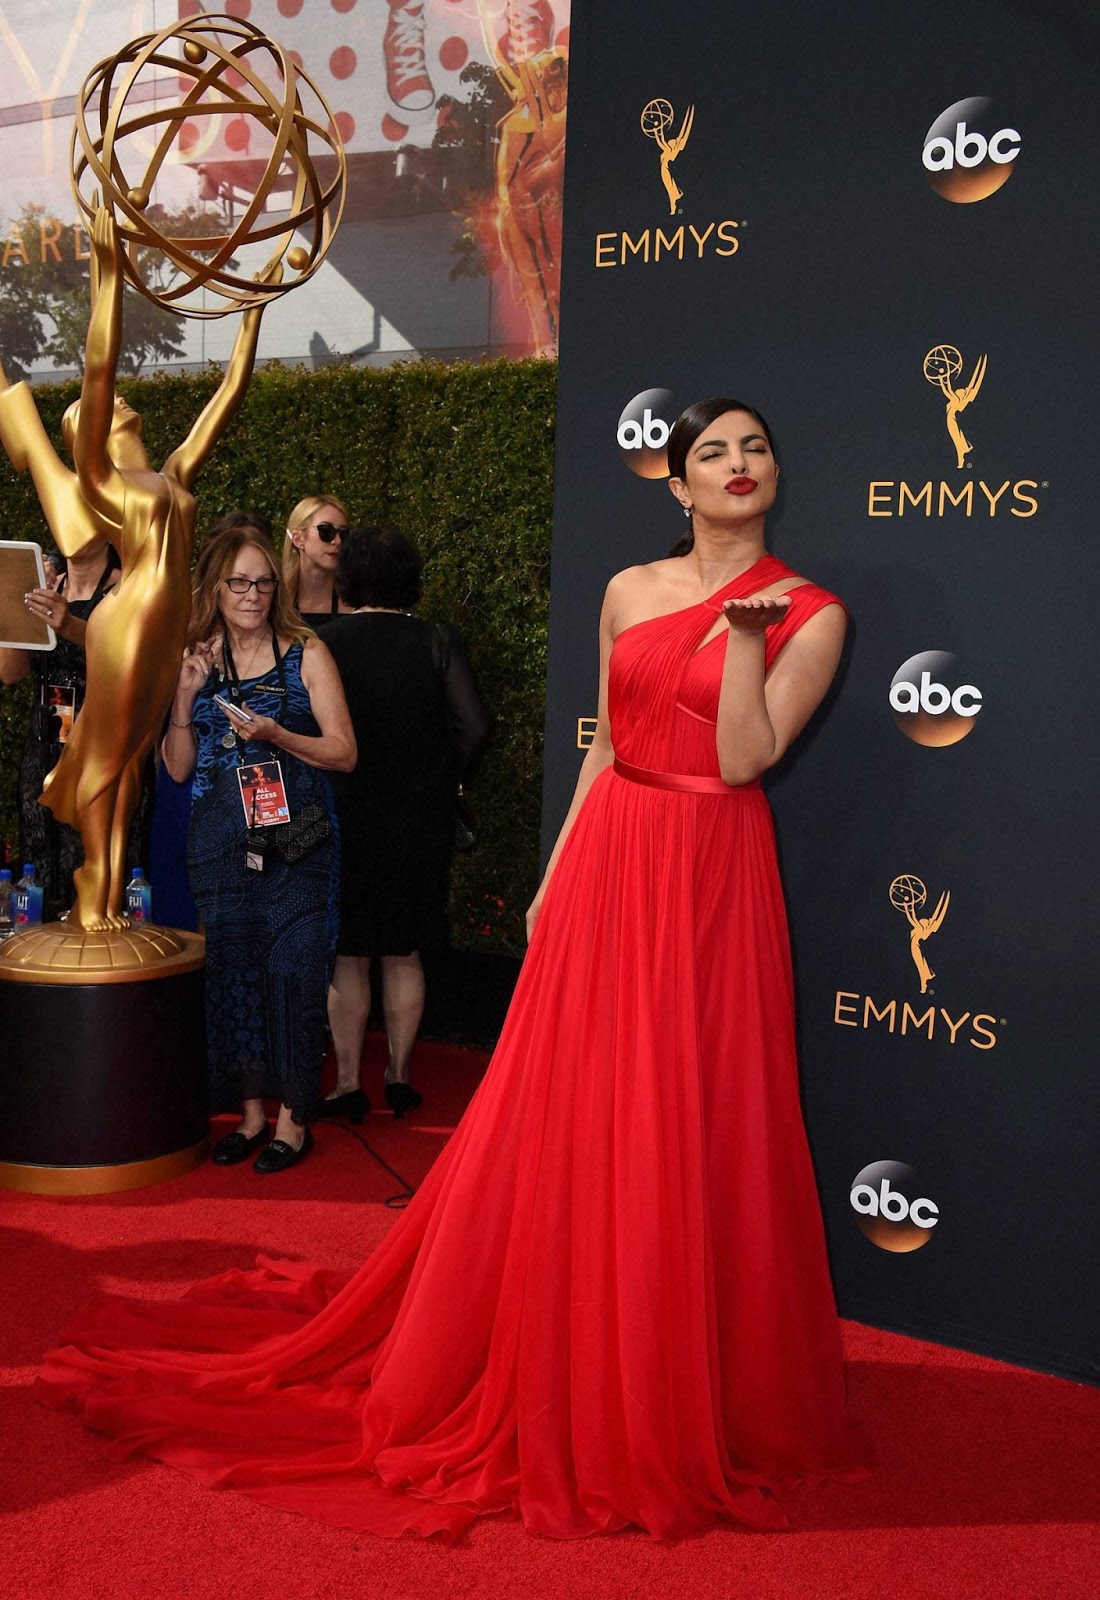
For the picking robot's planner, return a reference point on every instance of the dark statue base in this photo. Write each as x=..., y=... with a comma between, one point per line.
x=103, y=1074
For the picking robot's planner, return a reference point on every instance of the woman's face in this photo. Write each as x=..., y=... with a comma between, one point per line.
x=731, y=474
x=312, y=548
x=248, y=612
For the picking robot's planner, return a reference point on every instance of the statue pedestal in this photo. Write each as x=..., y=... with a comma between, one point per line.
x=103, y=1061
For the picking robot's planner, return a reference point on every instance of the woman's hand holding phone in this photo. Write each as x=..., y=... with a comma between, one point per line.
x=235, y=713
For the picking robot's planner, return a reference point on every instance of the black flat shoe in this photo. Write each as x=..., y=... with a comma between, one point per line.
x=401, y=1097
x=279, y=1155
x=239, y=1146
x=354, y=1105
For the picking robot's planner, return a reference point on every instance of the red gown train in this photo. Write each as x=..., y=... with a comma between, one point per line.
x=608, y=1304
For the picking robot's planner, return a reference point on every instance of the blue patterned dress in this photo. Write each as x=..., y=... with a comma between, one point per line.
x=270, y=936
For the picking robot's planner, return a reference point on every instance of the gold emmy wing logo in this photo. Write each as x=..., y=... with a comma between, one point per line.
x=908, y=895
x=657, y=119
x=942, y=365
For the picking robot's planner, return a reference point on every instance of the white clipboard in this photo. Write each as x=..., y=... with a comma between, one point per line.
x=21, y=569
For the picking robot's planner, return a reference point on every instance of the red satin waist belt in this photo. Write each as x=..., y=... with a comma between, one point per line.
x=683, y=782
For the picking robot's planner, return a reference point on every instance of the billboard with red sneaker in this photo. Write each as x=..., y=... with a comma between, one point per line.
x=452, y=115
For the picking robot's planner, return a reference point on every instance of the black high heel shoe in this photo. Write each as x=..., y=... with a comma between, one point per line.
x=401, y=1097
x=354, y=1105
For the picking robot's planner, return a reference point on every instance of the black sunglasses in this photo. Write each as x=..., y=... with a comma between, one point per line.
x=328, y=531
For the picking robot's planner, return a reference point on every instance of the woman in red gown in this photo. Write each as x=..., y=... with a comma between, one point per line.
x=608, y=1305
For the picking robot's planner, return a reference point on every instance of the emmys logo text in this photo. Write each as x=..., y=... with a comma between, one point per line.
x=643, y=430
x=671, y=241
x=919, y=1018
x=884, y=1212
x=930, y=705
x=968, y=152
x=944, y=366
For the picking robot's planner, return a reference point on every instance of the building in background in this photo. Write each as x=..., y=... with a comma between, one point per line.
x=452, y=114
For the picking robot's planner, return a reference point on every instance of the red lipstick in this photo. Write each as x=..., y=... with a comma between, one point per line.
x=741, y=485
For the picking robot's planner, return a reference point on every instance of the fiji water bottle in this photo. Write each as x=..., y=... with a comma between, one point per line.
x=7, y=926
x=28, y=899
x=139, y=897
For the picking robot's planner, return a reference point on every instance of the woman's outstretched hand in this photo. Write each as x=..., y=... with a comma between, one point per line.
x=755, y=614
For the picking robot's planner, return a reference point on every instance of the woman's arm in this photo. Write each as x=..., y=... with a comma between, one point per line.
x=600, y=752
x=179, y=749
x=334, y=749
x=759, y=716
x=468, y=722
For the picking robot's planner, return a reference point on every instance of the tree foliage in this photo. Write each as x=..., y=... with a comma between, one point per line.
x=44, y=295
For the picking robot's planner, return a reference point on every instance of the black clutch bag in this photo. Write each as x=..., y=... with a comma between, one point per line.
x=294, y=840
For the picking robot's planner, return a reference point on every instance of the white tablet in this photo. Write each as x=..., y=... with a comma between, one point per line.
x=21, y=569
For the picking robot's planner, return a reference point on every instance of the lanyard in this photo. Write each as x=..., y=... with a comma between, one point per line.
x=233, y=683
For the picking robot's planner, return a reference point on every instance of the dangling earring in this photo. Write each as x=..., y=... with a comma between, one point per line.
x=687, y=511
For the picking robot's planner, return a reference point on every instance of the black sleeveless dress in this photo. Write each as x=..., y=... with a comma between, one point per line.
x=419, y=724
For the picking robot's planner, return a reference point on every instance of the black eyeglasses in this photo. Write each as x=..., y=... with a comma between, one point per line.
x=328, y=531
x=266, y=585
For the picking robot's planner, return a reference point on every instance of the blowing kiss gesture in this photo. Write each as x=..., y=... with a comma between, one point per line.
x=756, y=613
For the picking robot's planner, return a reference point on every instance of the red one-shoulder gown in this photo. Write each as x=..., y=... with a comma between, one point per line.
x=608, y=1304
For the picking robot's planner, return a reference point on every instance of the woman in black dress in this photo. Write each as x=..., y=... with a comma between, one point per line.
x=419, y=724
x=59, y=677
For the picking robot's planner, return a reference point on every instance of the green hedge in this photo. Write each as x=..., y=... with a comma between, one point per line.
x=460, y=458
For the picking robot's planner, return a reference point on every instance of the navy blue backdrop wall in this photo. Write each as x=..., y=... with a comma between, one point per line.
x=878, y=224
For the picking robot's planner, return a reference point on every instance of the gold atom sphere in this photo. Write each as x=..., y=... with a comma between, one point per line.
x=220, y=80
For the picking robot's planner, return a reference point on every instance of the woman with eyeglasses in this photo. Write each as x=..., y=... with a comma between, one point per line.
x=314, y=531
x=259, y=717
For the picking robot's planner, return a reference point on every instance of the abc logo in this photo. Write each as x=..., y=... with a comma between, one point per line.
x=968, y=154
x=884, y=1212
x=929, y=703
x=643, y=432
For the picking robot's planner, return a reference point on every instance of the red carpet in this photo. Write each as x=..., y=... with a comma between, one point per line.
x=985, y=1486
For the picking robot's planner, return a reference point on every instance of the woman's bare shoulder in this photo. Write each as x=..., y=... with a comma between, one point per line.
x=645, y=578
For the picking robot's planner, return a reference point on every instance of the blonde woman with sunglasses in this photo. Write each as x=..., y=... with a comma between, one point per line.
x=315, y=530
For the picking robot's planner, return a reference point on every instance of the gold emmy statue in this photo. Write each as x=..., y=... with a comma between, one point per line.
x=133, y=112
x=907, y=895
x=942, y=365
x=657, y=118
